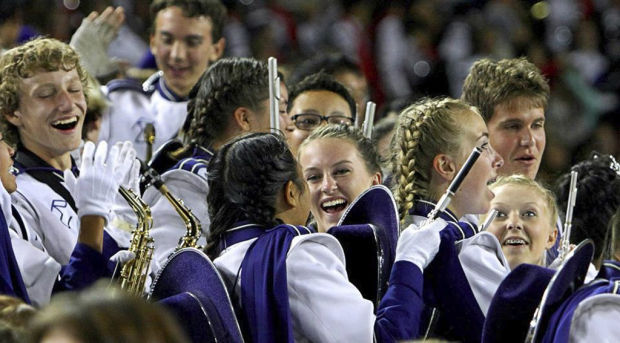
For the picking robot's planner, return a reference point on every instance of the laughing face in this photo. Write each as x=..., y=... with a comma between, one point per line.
x=183, y=48
x=524, y=225
x=51, y=113
x=336, y=174
x=517, y=132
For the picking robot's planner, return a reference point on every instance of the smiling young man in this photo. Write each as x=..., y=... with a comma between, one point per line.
x=511, y=95
x=186, y=39
x=42, y=109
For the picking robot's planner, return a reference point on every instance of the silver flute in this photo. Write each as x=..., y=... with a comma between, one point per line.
x=445, y=199
x=274, y=95
x=568, y=221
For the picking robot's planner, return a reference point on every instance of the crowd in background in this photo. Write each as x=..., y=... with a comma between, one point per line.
x=405, y=48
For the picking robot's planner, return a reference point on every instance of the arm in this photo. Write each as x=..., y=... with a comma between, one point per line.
x=326, y=307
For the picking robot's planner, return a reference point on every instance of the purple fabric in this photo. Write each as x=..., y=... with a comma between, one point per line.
x=264, y=287
x=11, y=282
x=528, y=287
x=399, y=312
x=85, y=267
x=190, y=285
x=445, y=284
x=558, y=328
x=514, y=303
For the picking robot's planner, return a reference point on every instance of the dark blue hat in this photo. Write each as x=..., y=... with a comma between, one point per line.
x=518, y=296
x=565, y=282
x=191, y=287
x=375, y=206
x=368, y=232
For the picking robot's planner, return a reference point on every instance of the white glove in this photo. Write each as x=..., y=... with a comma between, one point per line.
x=132, y=177
x=93, y=37
x=419, y=246
x=96, y=189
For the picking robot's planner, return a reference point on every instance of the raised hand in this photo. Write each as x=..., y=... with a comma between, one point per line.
x=101, y=173
x=93, y=37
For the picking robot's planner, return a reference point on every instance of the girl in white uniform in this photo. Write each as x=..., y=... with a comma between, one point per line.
x=434, y=138
x=290, y=286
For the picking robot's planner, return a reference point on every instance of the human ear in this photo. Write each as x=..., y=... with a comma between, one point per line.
x=444, y=166
x=291, y=194
x=376, y=179
x=552, y=237
x=14, y=118
x=218, y=50
x=241, y=118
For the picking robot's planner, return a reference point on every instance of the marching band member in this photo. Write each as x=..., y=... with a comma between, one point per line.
x=525, y=222
x=229, y=99
x=338, y=163
x=95, y=190
x=186, y=39
x=290, y=285
x=43, y=107
x=315, y=100
x=432, y=143
x=511, y=95
x=598, y=187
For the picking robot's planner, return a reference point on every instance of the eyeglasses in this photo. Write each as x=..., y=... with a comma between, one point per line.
x=310, y=121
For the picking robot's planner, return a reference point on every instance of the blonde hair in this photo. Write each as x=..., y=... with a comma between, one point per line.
x=24, y=61
x=543, y=192
x=425, y=129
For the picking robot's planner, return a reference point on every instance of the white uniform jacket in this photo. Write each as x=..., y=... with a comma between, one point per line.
x=482, y=260
x=325, y=307
x=133, y=106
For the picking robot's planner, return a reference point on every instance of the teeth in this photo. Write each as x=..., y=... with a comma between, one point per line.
x=515, y=241
x=333, y=203
x=65, y=121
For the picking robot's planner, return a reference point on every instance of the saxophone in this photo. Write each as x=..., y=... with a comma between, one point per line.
x=192, y=224
x=134, y=273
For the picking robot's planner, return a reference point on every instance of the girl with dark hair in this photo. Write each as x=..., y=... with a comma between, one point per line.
x=292, y=286
x=598, y=186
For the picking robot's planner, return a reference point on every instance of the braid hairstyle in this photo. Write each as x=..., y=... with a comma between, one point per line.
x=228, y=84
x=365, y=146
x=598, y=198
x=246, y=177
x=425, y=129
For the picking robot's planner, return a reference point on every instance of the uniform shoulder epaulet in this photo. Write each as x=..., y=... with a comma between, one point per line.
x=192, y=165
x=125, y=84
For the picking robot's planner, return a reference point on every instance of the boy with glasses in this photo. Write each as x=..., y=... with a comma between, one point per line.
x=317, y=100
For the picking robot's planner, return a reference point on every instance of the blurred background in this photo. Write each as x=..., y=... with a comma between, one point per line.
x=406, y=49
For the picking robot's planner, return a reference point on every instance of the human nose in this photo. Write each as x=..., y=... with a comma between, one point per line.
x=178, y=51
x=498, y=161
x=329, y=184
x=527, y=138
x=514, y=222
x=64, y=101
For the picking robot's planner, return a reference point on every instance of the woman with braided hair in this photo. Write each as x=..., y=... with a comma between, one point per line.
x=291, y=285
x=230, y=98
x=433, y=140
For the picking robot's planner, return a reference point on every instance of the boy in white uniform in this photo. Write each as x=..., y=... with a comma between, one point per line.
x=186, y=39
